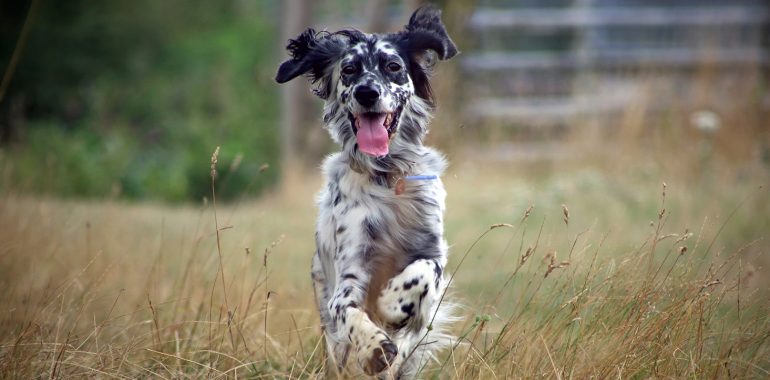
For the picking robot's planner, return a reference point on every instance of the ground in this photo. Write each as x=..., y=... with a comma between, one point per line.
x=562, y=271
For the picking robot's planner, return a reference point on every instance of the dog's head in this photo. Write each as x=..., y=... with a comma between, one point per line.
x=373, y=84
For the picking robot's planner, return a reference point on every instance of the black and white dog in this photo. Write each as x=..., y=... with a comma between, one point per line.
x=380, y=249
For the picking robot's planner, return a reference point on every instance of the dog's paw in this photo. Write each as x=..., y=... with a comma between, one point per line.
x=410, y=294
x=380, y=357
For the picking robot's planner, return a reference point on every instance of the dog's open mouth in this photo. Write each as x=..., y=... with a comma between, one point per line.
x=373, y=131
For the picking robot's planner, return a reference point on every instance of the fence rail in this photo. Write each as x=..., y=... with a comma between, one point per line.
x=647, y=58
x=613, y=43
x=586, y=17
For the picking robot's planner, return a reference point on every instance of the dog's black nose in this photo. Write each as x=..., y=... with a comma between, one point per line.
x=366, y=95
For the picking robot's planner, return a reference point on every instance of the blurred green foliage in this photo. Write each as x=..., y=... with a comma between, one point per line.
x=131, y=98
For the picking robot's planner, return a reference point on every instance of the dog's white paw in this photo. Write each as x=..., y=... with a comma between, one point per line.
x=374, y=350
x=378, y=356
x=404, y=295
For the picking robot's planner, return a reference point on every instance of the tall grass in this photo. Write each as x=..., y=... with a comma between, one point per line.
x=671, y=307
x=643, y=256
x=582, y=274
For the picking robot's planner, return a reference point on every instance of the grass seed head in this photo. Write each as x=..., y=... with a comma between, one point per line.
x=526, y=255
x=552, y=264
x=499, y=225
x=565, y=210
x=527, y=212
x=686, y=235
x=214, y=159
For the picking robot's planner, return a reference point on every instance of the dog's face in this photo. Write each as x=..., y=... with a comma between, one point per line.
x=373, y=86
x=369, y=80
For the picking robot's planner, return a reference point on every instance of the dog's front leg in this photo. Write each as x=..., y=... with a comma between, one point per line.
x=373, y=349
x=408, y=298
x=407, y=303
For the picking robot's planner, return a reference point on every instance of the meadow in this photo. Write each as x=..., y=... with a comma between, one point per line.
x=633, y=247
x=626, y=269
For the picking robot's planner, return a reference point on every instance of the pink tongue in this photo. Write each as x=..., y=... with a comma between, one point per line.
x=372, y=135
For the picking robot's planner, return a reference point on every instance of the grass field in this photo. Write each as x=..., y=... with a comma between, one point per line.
x=564, y=271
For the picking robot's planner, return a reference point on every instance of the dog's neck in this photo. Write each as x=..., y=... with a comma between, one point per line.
x=372, y=169
x=402, y=159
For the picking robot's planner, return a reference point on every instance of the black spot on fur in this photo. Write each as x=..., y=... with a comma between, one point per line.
x=349, y=276
x=327, y=117
x=370, y=228
x=400, y=324
x=336, y=176
x=341, y=229
x=423, y=245
x=437, y=272
x=408, y=285
x=381, y=179
x=408, y=309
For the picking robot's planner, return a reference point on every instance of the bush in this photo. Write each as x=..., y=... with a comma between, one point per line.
x=131, y=99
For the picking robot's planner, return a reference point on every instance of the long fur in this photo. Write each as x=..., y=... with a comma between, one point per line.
x=378, y=270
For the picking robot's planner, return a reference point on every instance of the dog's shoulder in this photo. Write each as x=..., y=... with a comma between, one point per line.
x=431, y=162
x=333, y=167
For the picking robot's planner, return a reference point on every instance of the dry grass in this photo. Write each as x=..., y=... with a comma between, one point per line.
x=584, y=273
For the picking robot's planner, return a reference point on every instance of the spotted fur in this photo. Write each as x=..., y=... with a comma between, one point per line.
x=380, y=256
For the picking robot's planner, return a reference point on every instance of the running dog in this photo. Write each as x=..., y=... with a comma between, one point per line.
x=380, y=250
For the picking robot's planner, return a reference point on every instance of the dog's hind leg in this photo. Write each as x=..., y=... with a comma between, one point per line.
x=337, y=352
x=321, y=290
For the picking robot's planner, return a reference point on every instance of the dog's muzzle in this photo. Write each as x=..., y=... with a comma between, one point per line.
x=373, y=125
x=366, y=96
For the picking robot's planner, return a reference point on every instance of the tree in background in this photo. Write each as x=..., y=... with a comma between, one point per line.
x=130, y=98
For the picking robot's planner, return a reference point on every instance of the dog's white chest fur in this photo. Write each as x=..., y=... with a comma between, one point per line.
x=394, y=228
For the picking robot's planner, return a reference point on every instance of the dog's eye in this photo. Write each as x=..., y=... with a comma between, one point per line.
x=349, y=69
x=393, y=67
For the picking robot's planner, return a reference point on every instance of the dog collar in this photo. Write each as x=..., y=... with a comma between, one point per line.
x=400, y=185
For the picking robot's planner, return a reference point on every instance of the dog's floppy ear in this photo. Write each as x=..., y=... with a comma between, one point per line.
x=299, y=49
x=425, y=31
x=312, y=54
